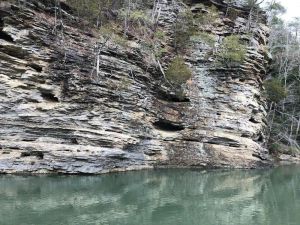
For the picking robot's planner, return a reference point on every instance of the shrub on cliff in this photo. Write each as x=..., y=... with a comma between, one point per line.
x=95, y=11
x=178, y=72
x=232, y=51
x=203, y=37
x=183, y=30
x=188, y=24
x=100, y=12
x=113, y=32
x=208, y=18
x=232, y=13
x=275, y=90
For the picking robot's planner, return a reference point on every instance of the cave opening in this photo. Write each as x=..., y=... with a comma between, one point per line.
x=165, y=125
x=36, y=67
x=39, y=155
x=49, y=97
x=169, y=97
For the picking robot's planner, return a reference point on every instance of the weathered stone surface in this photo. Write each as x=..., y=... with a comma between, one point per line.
x=58, y=115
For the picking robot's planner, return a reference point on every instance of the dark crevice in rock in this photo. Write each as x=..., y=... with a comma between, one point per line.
x=118, y=156
x=261, y=138
x=74, y=141
x=5, y=153
x=165, y=125
x=246, y=135
x=259, y=156
x=6, y=37
x=14, y=148
x=39, y=155
x=36, y=67
x=224, y=141
x=253, y=120
x=151, y=153
x=28, y=139
x=225, y=127
x=172, y=98
x=191, y=140
x=49, y=97
x=3, y=35
x=161, y=95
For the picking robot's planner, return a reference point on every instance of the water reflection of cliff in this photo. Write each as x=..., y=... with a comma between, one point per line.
x=162, y=197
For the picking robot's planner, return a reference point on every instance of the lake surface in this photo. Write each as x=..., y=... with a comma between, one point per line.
x=158, y=197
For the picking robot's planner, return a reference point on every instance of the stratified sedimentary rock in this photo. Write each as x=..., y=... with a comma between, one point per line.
x=57, y=114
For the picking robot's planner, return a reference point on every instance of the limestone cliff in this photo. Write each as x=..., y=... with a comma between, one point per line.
x=56, y=115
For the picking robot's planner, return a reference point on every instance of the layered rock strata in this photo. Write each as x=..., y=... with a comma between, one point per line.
x=60, y=113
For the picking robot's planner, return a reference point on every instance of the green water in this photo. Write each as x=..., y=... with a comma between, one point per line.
x=159, y=197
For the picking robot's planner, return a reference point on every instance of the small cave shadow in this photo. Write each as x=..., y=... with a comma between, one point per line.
x=49, y=97
x=165, y=125
x=168, y=97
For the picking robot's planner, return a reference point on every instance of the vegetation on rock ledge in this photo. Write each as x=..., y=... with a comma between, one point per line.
x=178, y=72
x=233, y=52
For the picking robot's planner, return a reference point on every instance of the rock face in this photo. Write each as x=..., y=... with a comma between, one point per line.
x=60, y=114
